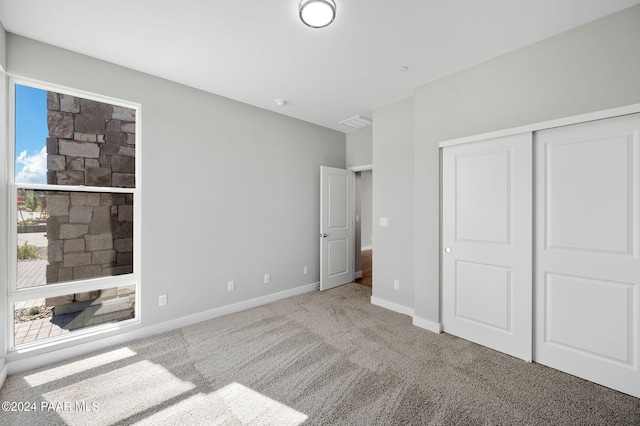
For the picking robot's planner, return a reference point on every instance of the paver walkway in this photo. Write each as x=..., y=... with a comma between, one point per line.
x=109, y=311
x=31, y=273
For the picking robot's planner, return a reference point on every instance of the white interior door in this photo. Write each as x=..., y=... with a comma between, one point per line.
x=337, y=230
x=587, y=264
x=487, y=243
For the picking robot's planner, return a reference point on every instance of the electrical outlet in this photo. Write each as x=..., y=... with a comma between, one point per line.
x=231, y=285
x=396, y=285
x=162, y=300
x=305, y=270
x=267, y=279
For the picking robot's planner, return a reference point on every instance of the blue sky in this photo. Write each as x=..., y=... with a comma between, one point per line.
x=31, y=135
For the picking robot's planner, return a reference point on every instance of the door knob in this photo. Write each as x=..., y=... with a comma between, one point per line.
x=324, y=235
x=448, y=249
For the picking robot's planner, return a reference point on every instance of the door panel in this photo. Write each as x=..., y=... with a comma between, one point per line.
x=571, y=323
x=486, y=265
x=483, y=294
x=338, y=257
x=338, y=187
x=481, y=177
x=337, y=231
x=593, y=197
x=587, y=265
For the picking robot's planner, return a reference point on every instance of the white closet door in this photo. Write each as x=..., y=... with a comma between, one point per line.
x=487, y=243
x=587, y=265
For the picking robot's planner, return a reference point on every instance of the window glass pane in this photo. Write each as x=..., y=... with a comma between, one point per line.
x=39, y=319
x=68, y=140
x=69, y=236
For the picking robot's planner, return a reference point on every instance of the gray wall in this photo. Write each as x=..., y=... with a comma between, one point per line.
x=3, y=48
x=242, y=197
x=591, y=68
x=393, y=192
x=359, y=146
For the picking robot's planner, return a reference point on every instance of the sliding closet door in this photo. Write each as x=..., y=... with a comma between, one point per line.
x=587, y=265
x=487, y=243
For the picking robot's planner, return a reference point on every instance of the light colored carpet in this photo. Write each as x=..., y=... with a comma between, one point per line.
x=320, y=359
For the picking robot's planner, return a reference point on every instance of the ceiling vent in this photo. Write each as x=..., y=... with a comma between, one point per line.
x=357, y=122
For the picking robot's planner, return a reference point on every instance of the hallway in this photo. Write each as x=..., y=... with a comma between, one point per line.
x=366, y=263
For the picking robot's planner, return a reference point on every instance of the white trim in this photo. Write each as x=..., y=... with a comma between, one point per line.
x=361, y=168
x=17, y=363
x=358, y=275
x=137, y=214
x=81, y=336
x=435, y=327
x=70, y=287
x=12, y=215
x=52, y=87
x=52, y=290
x=4, y=225
x=74, y=188
x=392, y=306
x=566, y=121
x=3, y=372
x=365, y=248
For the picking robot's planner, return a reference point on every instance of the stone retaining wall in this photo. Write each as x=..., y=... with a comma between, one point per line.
x=90, y=143
x=89, y=234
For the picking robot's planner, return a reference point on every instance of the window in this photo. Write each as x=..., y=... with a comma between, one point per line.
x=74, y=213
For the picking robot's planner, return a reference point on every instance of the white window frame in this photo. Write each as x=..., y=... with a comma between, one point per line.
x=78, y=286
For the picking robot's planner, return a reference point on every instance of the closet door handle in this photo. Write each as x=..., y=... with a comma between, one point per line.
x=448, y=249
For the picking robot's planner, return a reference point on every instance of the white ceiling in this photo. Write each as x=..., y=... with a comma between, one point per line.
x=257, y=51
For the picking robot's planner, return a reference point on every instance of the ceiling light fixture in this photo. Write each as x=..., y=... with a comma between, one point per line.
x=317, y=13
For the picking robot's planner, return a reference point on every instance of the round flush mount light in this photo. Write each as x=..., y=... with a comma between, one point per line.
x=317, y=13
x=281, y=102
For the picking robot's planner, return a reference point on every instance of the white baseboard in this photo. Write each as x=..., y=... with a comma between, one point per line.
x=18, y=362
x=435, y=327
x=363, y=248
x=392, y=306
x=358, y=274
x=233, y=308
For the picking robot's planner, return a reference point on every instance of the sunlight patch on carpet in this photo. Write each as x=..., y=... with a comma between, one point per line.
x=232, y=404
x=120, y=393
x=69, y=369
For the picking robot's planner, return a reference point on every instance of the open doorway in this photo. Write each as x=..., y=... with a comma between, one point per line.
x=363, y=227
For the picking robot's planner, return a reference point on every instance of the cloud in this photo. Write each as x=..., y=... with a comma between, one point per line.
x=34, y=167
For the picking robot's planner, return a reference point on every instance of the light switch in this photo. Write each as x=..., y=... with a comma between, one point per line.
x=384, y=221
